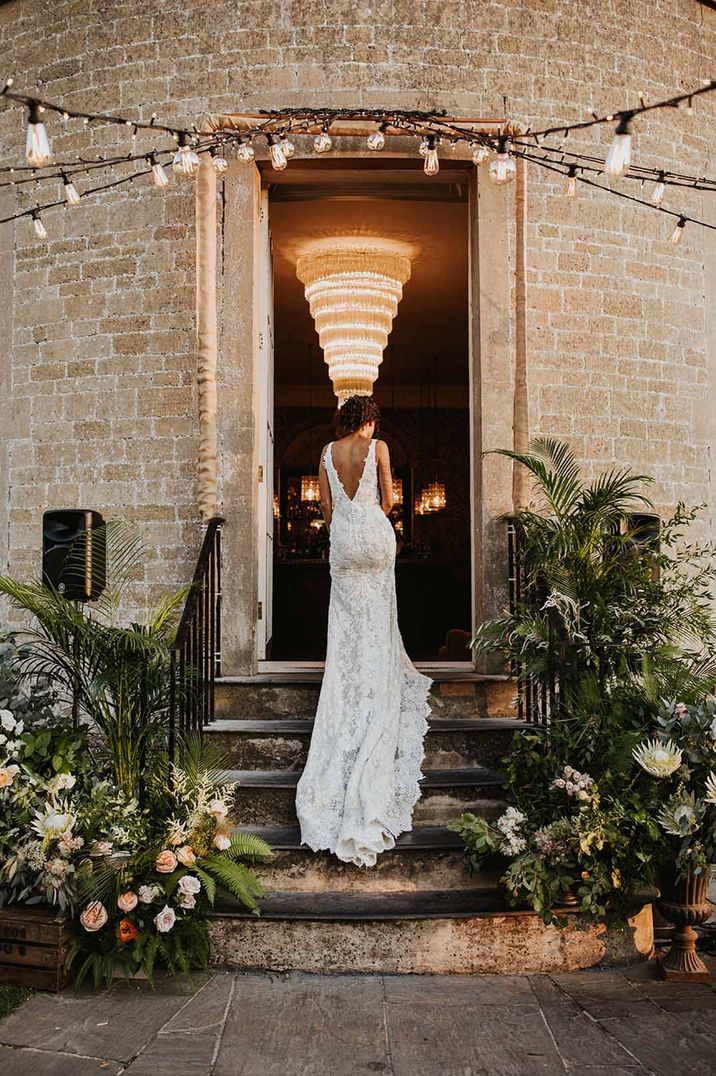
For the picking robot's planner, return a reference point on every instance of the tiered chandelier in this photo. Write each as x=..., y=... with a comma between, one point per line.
x=353, y=286
x=432, y=499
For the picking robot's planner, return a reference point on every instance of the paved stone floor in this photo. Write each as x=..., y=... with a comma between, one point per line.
x=245, y=1024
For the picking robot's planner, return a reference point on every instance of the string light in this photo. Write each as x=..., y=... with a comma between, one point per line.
x=186, y=160
x=289, y=150
x=570, y=189
x=37, y=149
x=424, y=146
x=376, y=140
x=432, y=161
x=161, y=179
x=40, y=229
x=503, y=169
x=619, y=156
x=278, y=157
x=72, y=196
x=657, y=195
x=323, y=142
x=678, y=233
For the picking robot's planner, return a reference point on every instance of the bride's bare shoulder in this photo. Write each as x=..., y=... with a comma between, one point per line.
x=381, y=449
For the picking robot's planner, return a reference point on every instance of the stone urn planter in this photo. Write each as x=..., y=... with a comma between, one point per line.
x=683, y=902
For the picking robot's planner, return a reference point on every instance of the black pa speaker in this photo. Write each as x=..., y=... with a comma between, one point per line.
x=74, y=553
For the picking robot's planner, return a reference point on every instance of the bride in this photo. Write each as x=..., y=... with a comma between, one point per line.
x=360, y=782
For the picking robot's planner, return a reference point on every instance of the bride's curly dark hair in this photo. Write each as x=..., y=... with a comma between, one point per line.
x=356, y=412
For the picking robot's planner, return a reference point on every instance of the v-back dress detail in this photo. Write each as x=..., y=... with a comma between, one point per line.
x=361, y=780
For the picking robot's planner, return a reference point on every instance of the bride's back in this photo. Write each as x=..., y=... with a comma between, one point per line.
x=349, y=456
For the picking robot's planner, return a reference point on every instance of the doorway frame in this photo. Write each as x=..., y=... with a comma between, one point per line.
x=491, y=283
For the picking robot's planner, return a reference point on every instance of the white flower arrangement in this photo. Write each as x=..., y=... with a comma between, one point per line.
x=510, y=826
x=577, y=785
x=660, y=758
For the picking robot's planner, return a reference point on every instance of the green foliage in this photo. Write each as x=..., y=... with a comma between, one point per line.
x=117, y=675
x=10, y=998
x=599, y=593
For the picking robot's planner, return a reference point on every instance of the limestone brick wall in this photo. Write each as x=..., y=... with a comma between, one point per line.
x=97, y=322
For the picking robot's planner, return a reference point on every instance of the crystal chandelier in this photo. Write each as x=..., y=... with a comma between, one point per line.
x=353, y=286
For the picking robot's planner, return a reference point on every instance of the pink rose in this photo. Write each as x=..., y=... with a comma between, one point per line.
x=165, y=920
x=166, y=862
x=94, y=916
x=186, y=856
x=127, y=902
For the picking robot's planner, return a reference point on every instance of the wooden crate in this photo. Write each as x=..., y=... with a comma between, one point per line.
x=33, y=947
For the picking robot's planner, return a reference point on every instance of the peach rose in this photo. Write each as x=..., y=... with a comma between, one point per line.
x=94, y=916
x=127, y=902
x=186, y=856
x=7, y=775
x=127, y=931
x=166, y=861
x=165, y=920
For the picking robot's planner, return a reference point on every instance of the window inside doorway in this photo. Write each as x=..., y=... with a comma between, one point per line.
x=423, y=389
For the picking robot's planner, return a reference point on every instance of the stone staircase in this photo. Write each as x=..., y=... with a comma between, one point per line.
x=417, y=909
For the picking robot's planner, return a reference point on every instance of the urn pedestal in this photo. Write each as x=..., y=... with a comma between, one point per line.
x=683, y=902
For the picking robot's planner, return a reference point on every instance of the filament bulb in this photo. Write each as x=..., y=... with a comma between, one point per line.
x=37, y=147
x=289, y=150
x=40, y=229
x=186, y=161
x=432, y=162
x=376, y=140
x=657, y=195
x=619, y=155
x=480, y=154
x=161, y=179
x=245, y=152
x=503, y=169
x=219, y=163
x=72, y=196
x=278, y=157
x=323, y=142
x=570, y=189
x=678, y=233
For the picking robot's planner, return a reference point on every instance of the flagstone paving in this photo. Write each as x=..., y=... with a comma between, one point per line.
x=232, y=1023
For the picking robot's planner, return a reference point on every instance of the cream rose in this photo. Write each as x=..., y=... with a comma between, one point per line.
x=7, y=720
x=186, y=856
x=219, y=810
x=222, y=842
x=94, y=916
x=166, y=861
x=127, y=902
x=148, y=893
x=165, y=920
x=189, y=884
x=187, y=901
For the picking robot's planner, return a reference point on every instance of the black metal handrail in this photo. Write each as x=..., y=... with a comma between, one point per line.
x=195, y=660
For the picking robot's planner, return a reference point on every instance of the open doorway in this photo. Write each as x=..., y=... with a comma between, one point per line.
x=423, y=389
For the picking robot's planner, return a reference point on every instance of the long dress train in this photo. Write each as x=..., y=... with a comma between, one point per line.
x=361, y=780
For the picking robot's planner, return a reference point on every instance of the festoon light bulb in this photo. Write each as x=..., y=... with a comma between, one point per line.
x=480, y=154
x=40, y=229
x=219, y=162
x=72, y=196
x=657, y=195
x=323, y=142
x=570, y=188
x=278, y=157
x=432, y=162
x=37, y=147
x=424, y=146
x=289, y=150
x=619, y=156
x=245, y=151
x=159, y=176
x=678, y=233
x=186, y=161
x=503, y=169
x=376, y=140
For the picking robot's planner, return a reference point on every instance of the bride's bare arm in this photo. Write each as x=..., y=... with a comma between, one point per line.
x=324, y=488
x=385, y=477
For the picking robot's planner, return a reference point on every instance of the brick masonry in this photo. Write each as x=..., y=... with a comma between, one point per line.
x=97, y=348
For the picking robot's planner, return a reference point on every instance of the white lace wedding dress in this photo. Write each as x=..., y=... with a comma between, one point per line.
x=360, y=782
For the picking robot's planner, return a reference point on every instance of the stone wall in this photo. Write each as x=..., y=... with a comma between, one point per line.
x=98, y=321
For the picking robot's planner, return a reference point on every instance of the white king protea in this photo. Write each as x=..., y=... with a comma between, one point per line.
x=710, y=796
x=658, y=757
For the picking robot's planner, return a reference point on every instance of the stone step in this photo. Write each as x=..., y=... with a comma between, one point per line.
x=266, y=797
x=453, y=931
x=428, y=858
x=282, y=743
x=268, y=695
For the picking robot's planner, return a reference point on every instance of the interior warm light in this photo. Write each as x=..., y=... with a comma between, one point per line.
x=432, y=499
x=353, y=287
x=397, y=491
x=310, y=490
